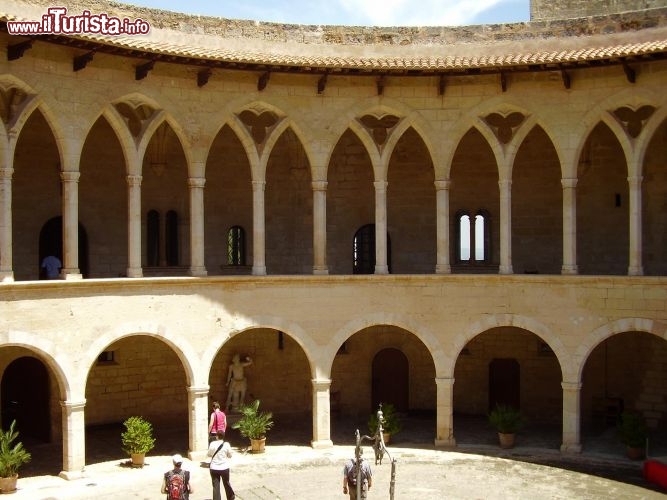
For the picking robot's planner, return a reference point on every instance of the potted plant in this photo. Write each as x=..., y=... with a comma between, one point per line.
x=253, y=424
x=137, y=439
x=507, y=420
x=633, y=433
x=12, y=456
x=391, y=421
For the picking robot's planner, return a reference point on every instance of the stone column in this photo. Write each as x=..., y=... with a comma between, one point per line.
x=198, y=416
x=134, y=226
x=70, y=209
x=569, y=226
x=381, y=266
x=6, y=265
x=197, y=266
x=321, y=414
x=444, y=425
x=442, y=227
x=635, y=267
x=320, y=227
x=571, y=417
x=74, y=439
x=258, y=229
x=505, y=227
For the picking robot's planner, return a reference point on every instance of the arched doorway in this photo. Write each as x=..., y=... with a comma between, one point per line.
x=51, y=243
x=390, y=379
x=504, y=383
x=30, y=408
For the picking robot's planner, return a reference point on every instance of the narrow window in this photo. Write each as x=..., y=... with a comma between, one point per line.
x=152, y=238
x=464, y=238
x=480, y=253
x=236, y=246
x=171, y=240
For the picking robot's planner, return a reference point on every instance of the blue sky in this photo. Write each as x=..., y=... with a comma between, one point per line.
x=356, y=12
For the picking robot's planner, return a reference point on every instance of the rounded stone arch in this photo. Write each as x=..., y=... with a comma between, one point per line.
x=593, y=339
x=442, y=361
x=283, y=125
x=60, y=364
x=176, y=342
x=532, y=123
x=512, y=320
x=310, y=348
x=117, y=124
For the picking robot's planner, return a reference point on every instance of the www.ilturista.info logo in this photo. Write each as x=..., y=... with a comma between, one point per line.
x=57, y=22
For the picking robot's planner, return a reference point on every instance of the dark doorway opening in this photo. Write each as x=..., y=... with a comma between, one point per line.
x=390, y=380
x=504, y=383
x=25, y=398
x=51, y=243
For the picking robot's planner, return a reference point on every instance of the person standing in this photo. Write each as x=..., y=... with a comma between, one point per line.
x=176, y=482
x=218, y=422
x=352, y=473
x=51, y=266
x=220, y=452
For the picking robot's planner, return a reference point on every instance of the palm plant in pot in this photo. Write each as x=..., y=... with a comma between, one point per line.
x=254, y=424
x=633, y=433
x=391, y=422
x=137, y=439
x=507, y=420
x=12, y=456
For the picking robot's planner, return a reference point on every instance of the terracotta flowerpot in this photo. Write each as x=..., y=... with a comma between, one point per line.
x=257, y=445
x=506, y=440
x=385, y=437
x=138, y=459
x=8, y=484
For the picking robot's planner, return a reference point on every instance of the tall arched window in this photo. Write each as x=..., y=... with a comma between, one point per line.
x=153, y=238
x=236, y=246
x=363, y=250
x=473, y=237
x=171, y=238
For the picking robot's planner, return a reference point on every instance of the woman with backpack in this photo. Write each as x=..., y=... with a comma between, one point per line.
x=218, y=422
x=220, y=452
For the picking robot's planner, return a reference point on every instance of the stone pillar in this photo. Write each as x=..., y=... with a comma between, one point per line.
x=636, y=266
x=321, y=414
x=6, y=265
x=569, y=226
x=381, y=266
x=134, y=226
x=70, y=209
x=320, y=227
x=505, y=227
x=74, y=439
x=571, y=417
x=258, y=229
x=198, y=417
x=197, y=266
x=444, y=425
x=442, y=265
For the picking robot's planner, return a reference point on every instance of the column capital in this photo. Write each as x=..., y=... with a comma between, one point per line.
x=505, y=183
x=6, y=173
x=444, y=381
x=571, y=386
x=196, y=182
x=199, y=391
x=321, y=384
x=134, y=180
x=569, y=182
x=442, y=185
x=635, y=181
x=258, y=185
x=73, y=405
x=380, y=185
x=70, y=176
x=319, y=185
